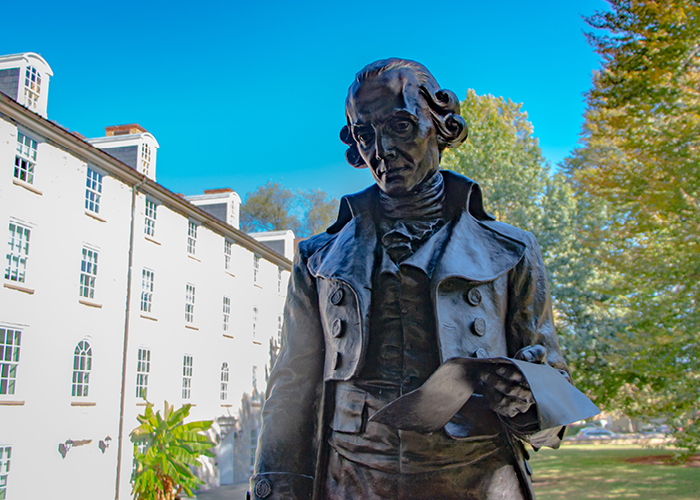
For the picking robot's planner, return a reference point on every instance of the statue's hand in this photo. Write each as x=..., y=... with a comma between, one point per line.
x=505, y=389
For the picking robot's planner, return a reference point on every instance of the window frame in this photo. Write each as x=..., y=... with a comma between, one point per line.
x=88, y=272
x=228, y=254
x=190, y=291
x=18, y=254
x=147, y=284
x=5, y=460
x=226, y=324
x=255, y=321
x=143, y=369
x=256, y=267
x=32, y=86
x=82, y=367
x=9, y=359
x=187, y=370
x=93, y=189
x=223, y=387
x=192, y=237
x=25, y=158
x=150, y=214
x=145, y=158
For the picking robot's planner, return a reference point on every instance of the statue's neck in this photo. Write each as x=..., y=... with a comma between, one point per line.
x=426, y=202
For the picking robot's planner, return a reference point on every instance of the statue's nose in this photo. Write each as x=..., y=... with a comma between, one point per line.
x=384, y=148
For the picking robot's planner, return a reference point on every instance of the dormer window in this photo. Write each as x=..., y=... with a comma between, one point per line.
x=145, y=158
x=32, y=87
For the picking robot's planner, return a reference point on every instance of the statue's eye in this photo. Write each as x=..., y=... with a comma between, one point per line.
x=364, y=135
x=402, y=126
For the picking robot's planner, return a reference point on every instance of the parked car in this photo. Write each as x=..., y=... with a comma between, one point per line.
x=596, y=433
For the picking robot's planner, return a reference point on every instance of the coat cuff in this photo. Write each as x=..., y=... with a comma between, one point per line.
x=281, y=486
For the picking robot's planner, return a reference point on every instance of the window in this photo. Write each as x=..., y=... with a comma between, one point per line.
x=227, y=254
x=187, y=377
x=145, y=158
x=25, y=158
x=93, y=190
x=224, y=382
x=150, y=218
x=279, y=280
x=191, y=237
x=88, y=273
x=189, y=303
x=227, y=312
x=255, y=320
x=9, y=359
x=18, y=252
x=143, y=368
x=5, y=456
x=256, y=267
x=280, y=322
x=32, y=86
x=146, y=290
x=82, y=364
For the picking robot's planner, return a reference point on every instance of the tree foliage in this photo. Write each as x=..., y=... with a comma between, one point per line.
x=171, y=446
x=503, y=156
x=639, y=160
x=272, y=207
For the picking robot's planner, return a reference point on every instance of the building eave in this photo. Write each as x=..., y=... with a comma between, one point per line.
x=83, y=150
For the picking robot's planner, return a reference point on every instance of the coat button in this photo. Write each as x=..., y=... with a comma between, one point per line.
x=337, y=360
x=481, y=353
x=337, y=297
x=479, y=326
x=263, y=488
x=473, y=296
x=337, y=328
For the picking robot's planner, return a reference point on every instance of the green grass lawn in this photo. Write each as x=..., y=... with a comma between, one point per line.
x=576, y=472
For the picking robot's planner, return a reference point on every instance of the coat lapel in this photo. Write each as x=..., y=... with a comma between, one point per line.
x=476, y=252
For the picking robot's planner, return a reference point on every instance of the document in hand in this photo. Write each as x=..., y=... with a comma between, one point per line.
x=432, y=405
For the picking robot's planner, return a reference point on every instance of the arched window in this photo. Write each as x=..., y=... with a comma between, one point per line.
x=224, y=381
x=82, y=364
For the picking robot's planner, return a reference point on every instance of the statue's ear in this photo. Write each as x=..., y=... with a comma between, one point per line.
x=352, y=155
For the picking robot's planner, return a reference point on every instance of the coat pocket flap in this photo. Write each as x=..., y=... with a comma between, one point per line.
x=349, y=409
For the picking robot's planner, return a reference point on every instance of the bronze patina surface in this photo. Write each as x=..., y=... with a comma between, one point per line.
x=414, y=279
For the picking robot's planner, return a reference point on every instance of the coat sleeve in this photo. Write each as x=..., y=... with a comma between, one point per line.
x=286, y=455
x=530, y=322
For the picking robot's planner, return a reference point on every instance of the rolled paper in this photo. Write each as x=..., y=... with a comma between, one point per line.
x=431, y=406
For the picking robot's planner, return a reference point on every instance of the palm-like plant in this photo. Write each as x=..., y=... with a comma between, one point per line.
x=168, y=447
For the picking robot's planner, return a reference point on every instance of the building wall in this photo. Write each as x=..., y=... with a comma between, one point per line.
x=63, y=441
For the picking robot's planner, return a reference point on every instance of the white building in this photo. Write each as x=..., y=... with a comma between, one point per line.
x=115, y=289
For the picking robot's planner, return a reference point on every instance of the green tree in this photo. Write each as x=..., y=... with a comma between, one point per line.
x=639, y=159
x=269, y=208
x=503, y=156
x=272, y=207
x=171, y=446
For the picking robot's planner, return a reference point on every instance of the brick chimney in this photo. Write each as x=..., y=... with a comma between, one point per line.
x=132, y=128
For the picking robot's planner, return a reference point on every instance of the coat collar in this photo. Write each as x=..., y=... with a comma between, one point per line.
x=474, y=250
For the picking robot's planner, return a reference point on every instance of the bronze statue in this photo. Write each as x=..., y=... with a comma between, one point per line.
x=415, y=279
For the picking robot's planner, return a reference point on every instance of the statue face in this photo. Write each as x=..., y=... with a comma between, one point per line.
x=395, y=135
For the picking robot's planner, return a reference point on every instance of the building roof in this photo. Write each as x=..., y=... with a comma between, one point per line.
x=79, y=147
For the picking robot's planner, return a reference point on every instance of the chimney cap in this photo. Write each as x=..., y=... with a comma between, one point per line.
x=131, y=128
x=218, y=190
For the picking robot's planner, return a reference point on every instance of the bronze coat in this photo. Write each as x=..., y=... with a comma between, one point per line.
x=327, y=322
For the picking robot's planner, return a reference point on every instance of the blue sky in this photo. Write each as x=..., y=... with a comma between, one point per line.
x=239, y=93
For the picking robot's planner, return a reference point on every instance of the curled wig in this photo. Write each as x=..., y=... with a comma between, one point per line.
x=450, y=127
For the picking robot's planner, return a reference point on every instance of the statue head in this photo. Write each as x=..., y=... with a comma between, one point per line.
x=398, y=123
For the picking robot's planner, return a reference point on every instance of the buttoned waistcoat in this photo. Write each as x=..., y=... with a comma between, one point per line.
x=490, y=295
